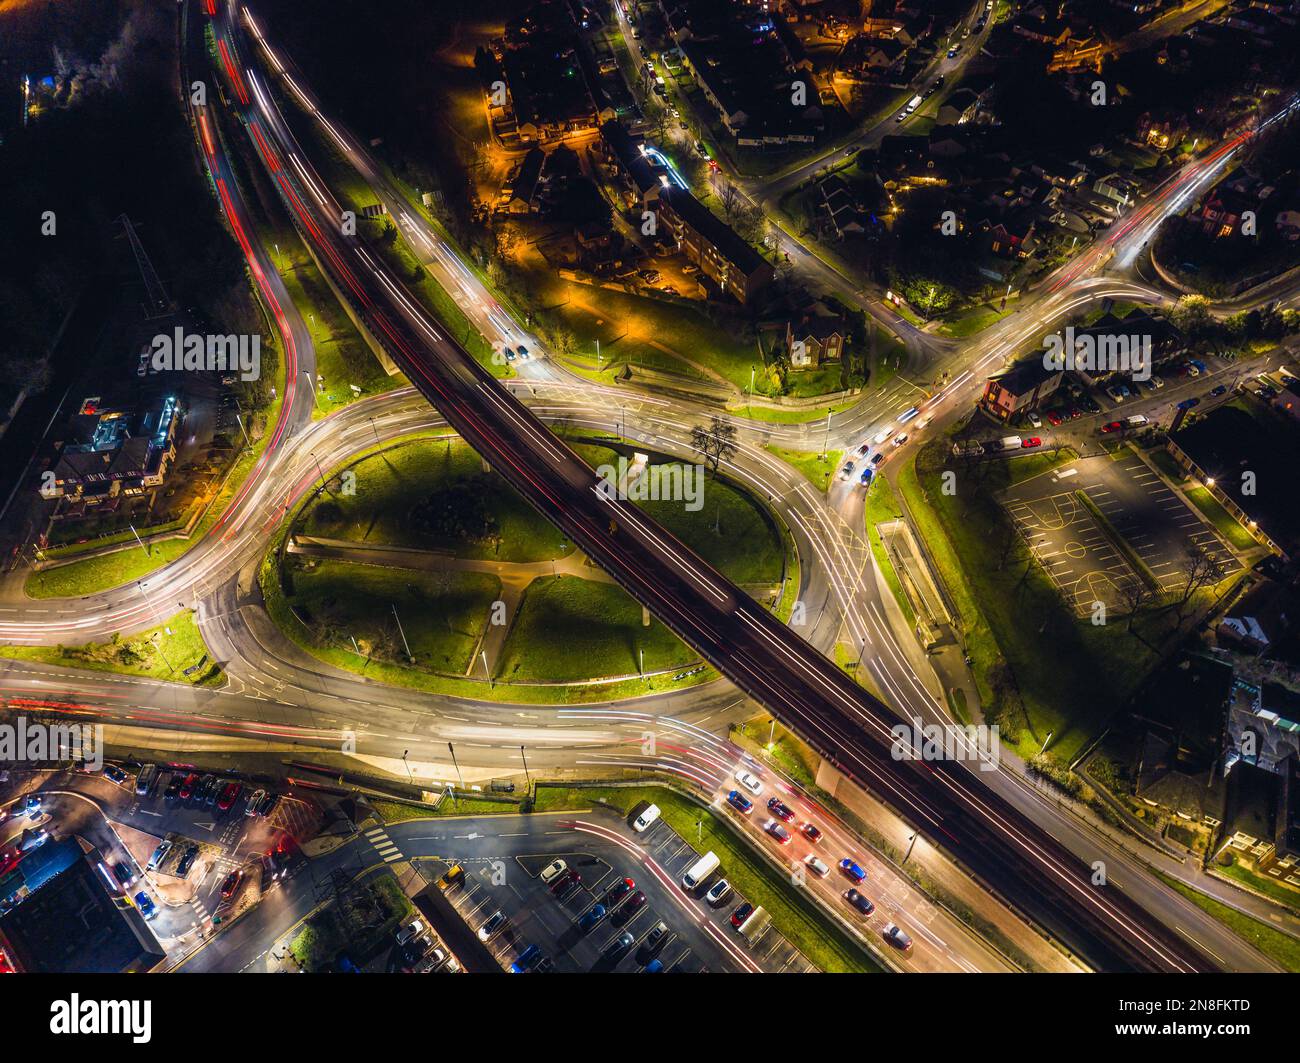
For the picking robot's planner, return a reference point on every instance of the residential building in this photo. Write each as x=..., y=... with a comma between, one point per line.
x=1019, y=388
x=815, y=339
x=115, y=453
x=725, y=260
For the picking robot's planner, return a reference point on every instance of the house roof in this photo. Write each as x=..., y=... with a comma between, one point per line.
x=712, y=228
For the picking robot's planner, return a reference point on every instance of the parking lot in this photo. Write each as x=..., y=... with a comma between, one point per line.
x=1154, y=521
x=1066, y=540
x=1159, y=526
x=604, y=851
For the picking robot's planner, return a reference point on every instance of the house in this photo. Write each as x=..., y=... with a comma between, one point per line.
x=520, y=194
x=885, y=55
x=1220, y=213
x=1116, y=188
x=1042, y=27
x=1162, y=130
x=1012, y=235
x=115, y=453
x=724, y=259
x=814, y=340
x=1019, y=388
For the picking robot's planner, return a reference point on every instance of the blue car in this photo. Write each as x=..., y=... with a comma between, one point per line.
x=528, y=959
x=740, y=802
x=1220, y=390
x=653, y=967
x=591, y=920
x=866, y=476
x=852, y=870
x=1187, y=404
x=146, y=905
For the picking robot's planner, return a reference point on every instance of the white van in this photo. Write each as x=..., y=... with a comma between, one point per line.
x=645, y=818
x=700, y=870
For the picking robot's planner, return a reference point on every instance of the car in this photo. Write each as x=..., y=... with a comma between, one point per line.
x=124, y=872
x=1192, y=369
x=649, y=275
x=653, y=942
x=780, y=809
x=146, y=905
x=851, y=870
x=256, y=799
x=1111, y=426
x=1214, y=394
x=653, y=967
x=493, y=926
x=159, y=855
x=862, y=450
x=749, y=781
x=877, y=458
x=1075, y=413
x=859, y=901
x=187, y=786
x=740, y=802
x=411, y=931
x=938, y=82
x=509, y=353
x=435, y=958
x=1054, y=418
x=187, y=861
x=229, y=795
x=816, y=866
x=174, y=786
x=718, y=893
x=1032, y=441
x=270, y=873
x=952, y=52
x=268, y=805
x=777, y=831
x=553, y=870
x=902, y=116
x=279, y=859
x=1156, y=382
x=898, y=937
x=232, y=882
x=1187, y=404
x=742, y=913
x=207, y=790
x=846, y=471
x=592, y=919
x=523, y=352
x=566, y=883
x=527, y=960
x=453, y=876
x=668, y=289
x=1089, y=404
x=621, y=945
x=114, y=774
x=632, y=905
x=617, y=892
x=812, y=832
x=900, y=439
x=868, y=474
x=883, y=434
x=1035, y=421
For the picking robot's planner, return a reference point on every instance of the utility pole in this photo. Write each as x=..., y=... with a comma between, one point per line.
x=409, y=655
x=456, y=765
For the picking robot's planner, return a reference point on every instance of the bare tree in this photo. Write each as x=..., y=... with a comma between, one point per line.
x=1199, y=570
x=716, y=443
x=731, y=202
x=1134, y=593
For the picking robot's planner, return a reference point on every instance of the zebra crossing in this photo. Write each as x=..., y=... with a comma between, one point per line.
x=383, y=844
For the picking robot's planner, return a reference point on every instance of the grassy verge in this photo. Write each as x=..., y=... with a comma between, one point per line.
x=443, y=615
x=441, y=474
x=1010, y=609
x=1269, y=887
x=166, y=652
x=1199, y=495
x=1272, y=943
x=818, y=468
x=974, y=320
x=396, y=812
x=798, y=918
x=771, y=416
x=882, y=506
x=569, y=629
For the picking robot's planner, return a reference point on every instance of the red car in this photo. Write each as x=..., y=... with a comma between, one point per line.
x=187, y=787
x=1054, y=417
x=780, y=809
x=566, y=882
x=742, y=913
x=812, y=833
x=1114, y=426
x=229, y=795
x=1032, y=441
x=232, y=882
x=1075, y=413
